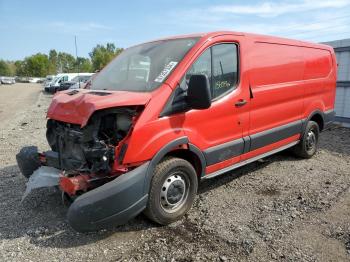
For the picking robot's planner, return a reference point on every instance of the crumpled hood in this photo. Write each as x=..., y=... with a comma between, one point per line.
x=76, y=106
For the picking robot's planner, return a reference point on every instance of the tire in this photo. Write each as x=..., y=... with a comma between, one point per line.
x=309, y=142
x=172, y=192
x=28, y=160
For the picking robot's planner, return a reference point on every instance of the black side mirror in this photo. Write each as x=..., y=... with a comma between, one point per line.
x=198, y=92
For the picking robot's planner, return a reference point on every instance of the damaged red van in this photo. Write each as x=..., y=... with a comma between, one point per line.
x=166, y=114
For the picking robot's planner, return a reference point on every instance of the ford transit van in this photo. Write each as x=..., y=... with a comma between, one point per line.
x=166, y=114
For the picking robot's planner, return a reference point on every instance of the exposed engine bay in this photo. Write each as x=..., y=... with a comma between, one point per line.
x=90, y=149
x=83, y=157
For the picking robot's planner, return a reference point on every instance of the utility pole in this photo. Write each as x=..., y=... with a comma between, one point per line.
x=76, y=57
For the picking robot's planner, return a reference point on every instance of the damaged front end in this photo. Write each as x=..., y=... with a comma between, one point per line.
x=91, y=148
x=85, y=155
x=89, y=158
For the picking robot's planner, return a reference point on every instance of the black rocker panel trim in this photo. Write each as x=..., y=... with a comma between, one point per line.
x=243, y=145
x=224, y=151
x=276, y=134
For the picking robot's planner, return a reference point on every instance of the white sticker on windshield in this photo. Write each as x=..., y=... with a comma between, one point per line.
x=167, y=69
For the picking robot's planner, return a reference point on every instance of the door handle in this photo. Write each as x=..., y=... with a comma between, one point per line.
x=240, y=102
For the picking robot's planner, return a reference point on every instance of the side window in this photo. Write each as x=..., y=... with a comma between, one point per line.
x=201, y=66
x=220, y=64
x=224, y=72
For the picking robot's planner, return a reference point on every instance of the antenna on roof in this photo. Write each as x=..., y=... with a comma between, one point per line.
x=76, y=57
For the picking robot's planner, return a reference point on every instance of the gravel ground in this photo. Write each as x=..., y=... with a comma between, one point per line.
x=281, y=208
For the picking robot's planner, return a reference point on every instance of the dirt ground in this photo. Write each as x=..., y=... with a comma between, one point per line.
x=16, y=98
x=281, y=208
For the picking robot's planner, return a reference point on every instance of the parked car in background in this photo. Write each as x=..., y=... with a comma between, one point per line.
x=7, y=80
x=22, y=79
x=34, y=79
x=78, y=81
x=41, y=80
x=48, y=79
x=80, y=85
x=53, y=86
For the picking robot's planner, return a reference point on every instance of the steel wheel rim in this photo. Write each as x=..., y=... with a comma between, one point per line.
x=174, y=192
x=310, y=140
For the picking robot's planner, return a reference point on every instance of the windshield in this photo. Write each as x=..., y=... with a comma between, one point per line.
x=54, y=80
x=144, y=67
x=82, y=78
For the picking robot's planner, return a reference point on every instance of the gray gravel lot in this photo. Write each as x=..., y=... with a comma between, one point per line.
x=281, y=208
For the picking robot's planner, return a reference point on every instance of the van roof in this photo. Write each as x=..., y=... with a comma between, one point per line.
x=73, y=74
x=256, y=37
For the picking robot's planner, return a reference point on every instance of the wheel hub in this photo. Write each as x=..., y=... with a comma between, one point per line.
x=310, y=140
x=173, y=193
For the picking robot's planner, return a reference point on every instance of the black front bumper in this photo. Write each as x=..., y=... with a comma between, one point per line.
x=111, y=204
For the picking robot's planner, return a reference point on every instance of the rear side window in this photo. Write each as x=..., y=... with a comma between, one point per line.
x=220, y=64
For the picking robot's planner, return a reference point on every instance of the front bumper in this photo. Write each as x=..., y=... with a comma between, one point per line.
x=111, y=204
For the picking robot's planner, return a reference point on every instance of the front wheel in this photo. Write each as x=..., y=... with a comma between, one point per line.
x=173, y=189
x=309, y=141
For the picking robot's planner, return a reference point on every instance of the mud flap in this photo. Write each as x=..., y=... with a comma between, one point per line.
x=44, y=176
x=111, y=204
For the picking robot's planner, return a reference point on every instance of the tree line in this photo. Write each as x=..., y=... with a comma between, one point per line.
x=41, y=65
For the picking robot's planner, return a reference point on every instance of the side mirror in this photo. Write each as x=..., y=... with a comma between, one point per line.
x=198, y=92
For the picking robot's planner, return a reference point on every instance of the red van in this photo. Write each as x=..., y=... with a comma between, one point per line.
x=166, y=114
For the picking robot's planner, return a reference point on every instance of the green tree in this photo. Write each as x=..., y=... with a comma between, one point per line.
x=65, y=63
x=12, y=67
x=101, y=55
x=83, y=64
x=35, y=65
x=5, y=69
x=53, y=62
x=20, y=69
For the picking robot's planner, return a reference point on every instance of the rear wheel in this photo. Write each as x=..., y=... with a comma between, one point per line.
x=309, y=141
x=173, y=189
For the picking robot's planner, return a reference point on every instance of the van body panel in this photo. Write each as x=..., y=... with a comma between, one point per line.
x=150, y=132
x=276, y=78
x=261, y=104
x=274, y=69
x=218, y=131
x=276, y=81
x=319, y=77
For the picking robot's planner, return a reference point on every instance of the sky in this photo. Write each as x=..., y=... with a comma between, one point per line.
x=29, y=27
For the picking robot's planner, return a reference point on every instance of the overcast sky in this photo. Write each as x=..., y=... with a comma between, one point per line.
x=28, y=27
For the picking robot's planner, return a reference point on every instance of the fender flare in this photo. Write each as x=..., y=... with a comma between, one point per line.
x=200, y=156
x=166, y=149
x=306, y=120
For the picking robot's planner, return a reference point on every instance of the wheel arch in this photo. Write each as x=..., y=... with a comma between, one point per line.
x=318, y=117
x=192, y=154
